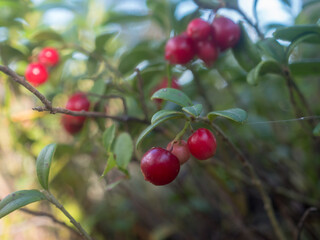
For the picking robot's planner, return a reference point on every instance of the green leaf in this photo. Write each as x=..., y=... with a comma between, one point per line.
x=163, y=113
x=194, y=110
x=305, y=68
x=103, y=38
x=113, y=185
x=294, y=32
x=108, y=137
x=126, y=17
x=155, y=124
x=123, y=150
x=111, y=163
x=173, y=95
x=316, y=130
x=234, y=114
x=44, y=163
x=298, y=40
x=46, y=35
x=209, y=4
x=19, y=199
x=271, y=48
x=246, y=52
x=99, y=88
x=264, y=67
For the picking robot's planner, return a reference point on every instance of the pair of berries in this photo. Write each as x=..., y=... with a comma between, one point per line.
x=161, y=166
x=37, y=73
x=204, y=40
x=77, y=102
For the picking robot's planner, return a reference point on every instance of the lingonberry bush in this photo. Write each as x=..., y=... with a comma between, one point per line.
x=159, y=123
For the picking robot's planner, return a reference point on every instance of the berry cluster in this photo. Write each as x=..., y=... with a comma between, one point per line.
x=161, y=166
x=203, y=40
x=36, y=72
x=77, y=102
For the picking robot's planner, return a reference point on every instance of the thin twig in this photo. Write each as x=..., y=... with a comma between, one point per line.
x=302, y=221
x=141, y=94
x=257, y=182
x=255, y=13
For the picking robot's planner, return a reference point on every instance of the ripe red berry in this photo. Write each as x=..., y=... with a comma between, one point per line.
x=199, y=29
x=180, y=150
x=226, y=33
x=36, y=74
x=77, y=102
x=207, y=51
x=159, y=166
x=179, y=49
x=164, y=84
x=48, y=56
x=202, y=144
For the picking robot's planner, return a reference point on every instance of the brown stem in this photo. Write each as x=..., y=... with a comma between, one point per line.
x=302, y=221
x=141, y=94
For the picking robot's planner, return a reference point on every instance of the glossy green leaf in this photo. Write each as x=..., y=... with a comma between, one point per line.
x=297, y=31
x=103, y=38
x=305, y=68
x=297, y=41
x=246, y=52
x=234, y=114
x=111, y=163
x=108, y=137
x=123, y=150
x=163, y=113
x=43, y=164
x=155, y=124
x=271, y=48
x=19, y=199
x=46, y=35
x=316, y=130
x=264, y=67
x=194, y=110
x=173, y=95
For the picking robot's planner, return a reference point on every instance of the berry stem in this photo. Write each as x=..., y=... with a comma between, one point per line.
x=182, y=132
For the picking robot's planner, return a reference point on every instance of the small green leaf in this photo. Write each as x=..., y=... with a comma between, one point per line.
x=316, y=130
x=194, y=110
x=234, y=114
x=297, y=41
x=126, y=17
x=98, y=88
x=173, y=95
x=19, y=199
x=155, y=124
x=111, y=163
x=294, y=32
x=103, y=38
x=264, y=67
x=46, y=35
x=305, y=68
x=163, y=113
x=108, y=137
x=123, y=150
x=44, y=163
x=271, y=48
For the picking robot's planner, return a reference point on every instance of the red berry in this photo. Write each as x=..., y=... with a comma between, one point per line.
x=180, y=150
x=159, y=166
x=179, y=49
x=226, y=33
x=77, y=102
x=36, y=74
x=202, y=144
x=48, y=56
x=207, y=51
x=199, y=29
x=164, y=84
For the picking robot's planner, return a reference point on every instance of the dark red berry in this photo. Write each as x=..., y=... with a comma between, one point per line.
x=159, y=166
x=207, y=51
x=36, y=74
x=179, y=49
x=226, y=33
x=180, y=150
x=48, y=56
x=77, y=102
x=164, y=84
x=199, y=29
x=202, y=144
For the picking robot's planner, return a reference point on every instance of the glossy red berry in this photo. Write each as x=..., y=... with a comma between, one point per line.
x=77, y=102
x=179, y=49
x=180, y=150
x=159, y=166
x=202, y=144
x=226, y=32
x=36, y=74
x=48, y=56
x=207, y=51
x=199, y=29
x=164, y=84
